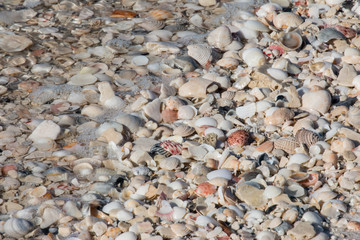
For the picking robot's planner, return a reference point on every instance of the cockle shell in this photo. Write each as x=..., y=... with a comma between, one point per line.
x=291, y=41
x=253, y=57
x=180, y=229
x=279, y=116
x=195, y=87
x=160, y=14
x=183, y=130
x=287, y=144
x=166, y=148
x=238, y=138
x=220, y=37
x=287, y=19
x=308, y=137
x=152, y=24
x=201, y=53
x=187, y=112
x=17, y=227
x=83, y=169
x=319, y=101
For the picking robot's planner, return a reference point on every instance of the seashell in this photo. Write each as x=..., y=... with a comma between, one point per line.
x=253, y=57
x=187, y=112
x=238, y=138
x=166, y=148
x=133, y=123
x=14, y=43
x=327, y=34
x=266, y=235
x=228, y=95
x=180, y=229
x=333, y=208
x=242, y=82
x=212, y=130
x=195, y=87
x=310, y=180
x=228, y=62
x=298, y=158
x=256, y=25
x=286, y=20
x=246, y=111
x=220, y=37
x=158, y=48
x=151, y=24
x=287, y=144
x=271, y=192
x=152, y=110
x=83, y=169
x=205, y=189
x=111, y=206
x=279, y=116
x=160, y=14
x=201, y=53
x=204, y=221
x=170, y=163
x=183, y=131
x=342, y=145
x=206, y=121
x=220, y=173
x=278, y=74
x=173, y=103
x=267, y=146
x=291, y=41
x=17, y=227
x=127, y=236
x=353, y=116
x=169, y=116
x=307, y=137
x=122, y=14
x=312, y=217
x=294, y=190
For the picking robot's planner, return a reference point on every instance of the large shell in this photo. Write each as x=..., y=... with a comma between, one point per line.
x=287, y=19
x=220, y=37
x=291, y=40
x=287, y=144
x=238, y=138
x=169, y=116
x=17, y=227
x=319, y=101
x=201, y=53
x=183, y=130
x=152, y=110
x=308, y=137
x=253, y=57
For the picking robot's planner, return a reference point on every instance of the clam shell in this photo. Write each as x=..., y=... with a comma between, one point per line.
x=152, y=110
x=170, y=163
x=220, y=173
x=291, y=41
x=220, y=134
x=286, y=20
x=278, y=74
x=206, y=121
x=287, y=144
x=205, y=189
x=228, y=62
x=187, y=112
x=319, y=101
x=256, y=25
x=354, y=116
x=180, y=229
x=201, y=53
x=253, y=57
x=279, y=116
x=308, y=137
x=17, y=227
x=238, y=138
x=83, y=169
x=220, y=37
x=327, y=34
x=183, y=130
x=173, y=103
x=195, y=87
x=152, y=24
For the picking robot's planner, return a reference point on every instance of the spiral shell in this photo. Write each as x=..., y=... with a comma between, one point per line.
x=201, y=53
x=287, y=144
x=17, y=227
x=220, y=37
x=166, y=148
x=239, y=138
x=305, y=136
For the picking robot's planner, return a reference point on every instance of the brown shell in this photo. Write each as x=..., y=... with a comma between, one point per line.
x=239, y=138
x=307, y=137
x=279, y=116
x=122, y=14
x=287, y=144
x=160, y=14
x=169, y=116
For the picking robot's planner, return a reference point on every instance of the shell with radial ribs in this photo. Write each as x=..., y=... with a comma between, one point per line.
x=307, y=137
x=220, y=37
x=166, y=148
x=287, y=144
x=201, y=53
x=238, y=138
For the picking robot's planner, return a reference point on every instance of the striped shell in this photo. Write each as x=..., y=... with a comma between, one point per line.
x=152, y=24
x=239, y=138
x=201, y=53
x=183, y=131
x=166, y=148
x=287, y=144
x=160, y=14
x=307, y=137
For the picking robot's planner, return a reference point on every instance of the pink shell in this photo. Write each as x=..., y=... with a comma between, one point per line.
x=173, y=147
x=238, y=138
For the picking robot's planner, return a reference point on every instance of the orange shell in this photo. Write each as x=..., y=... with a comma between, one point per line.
x=311, y=180
x=169, y=116
x=238, y=138
x=160, y=14
x=205, y=189
x=265, y=147
x=122, y=14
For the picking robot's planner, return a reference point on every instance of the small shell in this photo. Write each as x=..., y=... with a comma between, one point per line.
x=195, y=87
x=287, y=19
x=256, y=25
x=201, y=53
x=278, y=74
x=17, y=227
x=223, y=173
x=170, y=163
x=265, y=147
x=220, y=134
x=152, y=110
x=311, y=180
x=238, y=138
x=228, y=62
x=246, y=111
x=253, y=57
x=279, y=116
x=183, y=131
x=83, y=169
x=180, y=229
x=206, y=121
x=220, y=37
x=166, y=148
x=291, y=41
x=169, y=116
x=205, y=189
x=327, y=34
x=160, y=14
x=187, y=112
x=308, y=137
x=287, y=144
x=173, y=103
x=354, y=116
x=152, y=24
x=122, y=14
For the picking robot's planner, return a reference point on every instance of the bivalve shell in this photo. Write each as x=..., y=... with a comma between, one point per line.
x=220, y=37
x=206, y=121
x=291, y=41
x=166, y=148
x=308, y=137
x=17, y=227
x=279, y=116
x=278, y=74
x=183, y=131
x=253, y=57
x=201, y=53
x=238, y=138
x=287, y=144
x=286, y=20
x=195, y=87
x=170, y=163
x=327, y=34
x=223, y=173
x=187, y=112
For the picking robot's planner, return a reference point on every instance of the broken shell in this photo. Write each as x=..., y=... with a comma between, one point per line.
x=228, y=62
x=308, y=137
x=238, y=138
x=83, y=169
x=278, y=74
x=187, y=112
x=173, y=103
x=327, y=34
x=287, y=144
x=246, y=111
x=205, y=189
x=354, y=116
x=166, y=148
x=206, y=121
x=220, y=37
x=220, y=173
x=17, y=227
x=170, y=163
x=201, y=53
x=291, y=41
x=220, y=134
x=279, y=116
x=152, y=110
x=169, y=116
x=180, y=229
x=286, y=20
x=195, y=87
x=256, y=25
x=253, y=57
x=160, y=14
x=342, y=145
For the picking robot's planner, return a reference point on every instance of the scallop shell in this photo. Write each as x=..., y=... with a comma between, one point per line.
x=187, y=112
x=166, y=148
x=287, y=19
x=253, y=57
x=160, y=14
x=220, y=37
x=238, y=138
x=291, y=41
x=201, y=53
x=308, y=137
x=183, y=130
x=327, y=34
x=287, y=144
x=17, y=227
x=279, y=116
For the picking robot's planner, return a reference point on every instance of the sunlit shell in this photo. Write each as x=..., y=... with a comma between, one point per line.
x=311, y=180
x=246, y=111
x=173, y=103
x=205, y=189
x=342, y=145
x=279, y=116
x=354, y=116
x=228, y=62
x=304, y=136
x=220, y=134
x=287, y=19
x=299, y=176
x=276, y=73
x=122, y=14
x=166, y=148
x=180, y=229
x=265, y=147
x=201, y=53
x=83, y=169
x=187, y=112
x=160, y=14
x=183, y=130
x=238, y=138
x=253, y=57
x=170, y=163
x=291, y=40
x=196, y=87
x=169, y=116
x=287, y=144
x=206, y=121
x=220, y=37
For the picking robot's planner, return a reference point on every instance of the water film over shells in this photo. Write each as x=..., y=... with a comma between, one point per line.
x=179, y=119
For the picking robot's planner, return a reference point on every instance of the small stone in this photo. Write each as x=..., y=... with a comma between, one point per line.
x=14, y=43
x=46, y=129
x=82, y=79
x=302, y=231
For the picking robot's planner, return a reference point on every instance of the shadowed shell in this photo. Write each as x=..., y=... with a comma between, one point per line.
x=201, y=53
x=308, y=137
x=220, y=37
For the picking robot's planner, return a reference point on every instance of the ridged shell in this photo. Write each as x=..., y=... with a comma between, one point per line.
x=228, y=62
x=160, y=14
x=220, y=37
x=205, y=189
x=287, y=19
x=152, y=24
x=239, y=138
x=83, y=169
x=180, y=229
x=308, y=137
x=166, y=148
x=17, y=227
x=183, y=131
x=287, y=144
x=291, y=40
x=201, y=53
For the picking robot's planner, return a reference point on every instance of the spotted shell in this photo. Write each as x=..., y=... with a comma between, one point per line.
x=201, y=53
x=305, y=136
x=183, y=130
x=287, y=144
x=166, y=148
x=239, y=138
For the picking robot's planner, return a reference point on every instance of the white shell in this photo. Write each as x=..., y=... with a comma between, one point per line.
x=319, y=101
x=253, y=57
x=140, y=60
x=201, y=53
x=271, y=192
x=206, y=121
x=127, y=236
x=312, y=217
x=356, y=82
x=298, y=158
x=246, y=111
x=17, y=227
x=287, y=19
x=187, y=112
x=218, y=132
x=278, y=74
x=110, y=206
x=83, y=169
x=220, y=37
x=256, y=25
x=152, y=110
x=223, y=173
x=205, y=220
